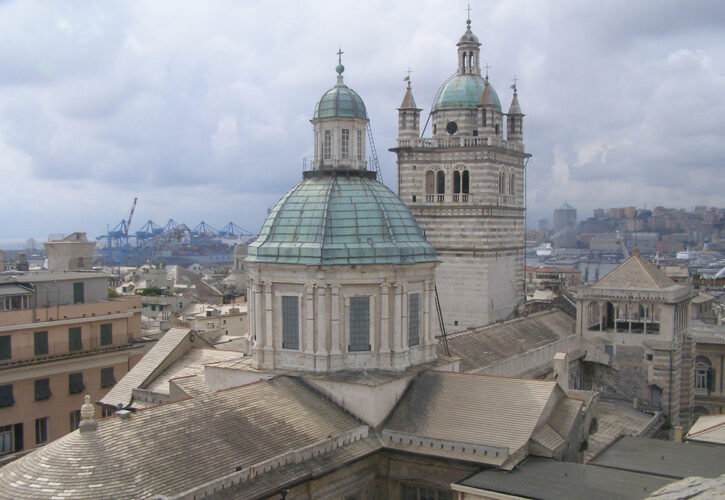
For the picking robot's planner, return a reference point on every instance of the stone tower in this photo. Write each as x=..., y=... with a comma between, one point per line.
x=465, y=186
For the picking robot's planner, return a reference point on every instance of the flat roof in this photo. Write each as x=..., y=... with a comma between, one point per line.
x=545, y=479
x=663, y=458
x=40, y=276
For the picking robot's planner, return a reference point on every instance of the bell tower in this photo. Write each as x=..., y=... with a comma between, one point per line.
x=465, y=186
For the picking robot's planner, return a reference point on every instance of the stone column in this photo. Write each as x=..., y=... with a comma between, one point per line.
x=335, y=320
x=397, y=317
x=384, y=318
x=309, y=336
x=268, y=327
x=322, y=320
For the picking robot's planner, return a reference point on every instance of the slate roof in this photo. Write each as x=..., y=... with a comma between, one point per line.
x=408, y=101
x=467, y=408
x=142, y=371
x=663, y=458
x=340, y=219
x=487, y=345
x=547, y=479
x=169, y=449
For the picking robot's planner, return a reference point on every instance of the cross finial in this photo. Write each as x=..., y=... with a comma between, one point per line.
x=339, y=54
x=486, y=66
x=409, y=72
x=468, y=21
x=514, y=85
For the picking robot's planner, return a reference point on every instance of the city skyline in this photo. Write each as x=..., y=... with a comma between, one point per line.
x=203, y=114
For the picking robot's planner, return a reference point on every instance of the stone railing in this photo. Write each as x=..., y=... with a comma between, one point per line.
x=457, y=142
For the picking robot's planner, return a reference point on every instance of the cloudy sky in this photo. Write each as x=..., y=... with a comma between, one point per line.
x=202, y=109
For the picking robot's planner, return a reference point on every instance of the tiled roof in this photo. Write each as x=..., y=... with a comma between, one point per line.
x=636, y=273
x=169, y=449
x=477, y=409
x=484, y=346
x=142, y=371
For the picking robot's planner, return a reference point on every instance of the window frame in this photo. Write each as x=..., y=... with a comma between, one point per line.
x=75, y=383
x=7, y=399
x=8, y=348
x=40, y=339
x=327, y=145
x=75, y=338
x=105, y=380
x=42, y=428
x=359, y=324
x=414, y=319
x=106, y=334
x=290, y=322
x=345, y=143
x=42, y=390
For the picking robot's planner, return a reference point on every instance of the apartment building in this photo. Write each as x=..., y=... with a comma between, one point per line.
x=60, y=339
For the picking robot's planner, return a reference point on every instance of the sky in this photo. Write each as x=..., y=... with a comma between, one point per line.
x=202, y=109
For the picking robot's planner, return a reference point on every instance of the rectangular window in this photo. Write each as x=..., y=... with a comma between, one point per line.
x=78, y=294
x=327, y=146
x=75, y=383
x=359, y=323
x=107, y=378
x=106, y=334
x=75, y=419
x=360, y=145
x=6, y=439
x=290, y=323
x=413, y=319
x=6, y=396
x=413, y=492
x=40, y=343
x=345, y=143
x=5, y=347
x=42, y=389
x=75, y=343
x=41, y=430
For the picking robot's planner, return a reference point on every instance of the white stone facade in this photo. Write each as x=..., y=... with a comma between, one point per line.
x=324, y=294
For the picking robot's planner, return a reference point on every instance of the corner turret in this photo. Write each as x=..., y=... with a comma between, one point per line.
x=515, y=118
x=408, y=115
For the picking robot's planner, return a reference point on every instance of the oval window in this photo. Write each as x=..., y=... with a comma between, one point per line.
x=451, y=127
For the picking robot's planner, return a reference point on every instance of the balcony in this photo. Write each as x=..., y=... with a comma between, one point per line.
x=450, y=198
x=311, y=163
x=25, y=354
x=457, y=142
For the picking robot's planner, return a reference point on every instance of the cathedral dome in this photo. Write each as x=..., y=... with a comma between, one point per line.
x=464, y=91
x=340, y=101
x=342, y=218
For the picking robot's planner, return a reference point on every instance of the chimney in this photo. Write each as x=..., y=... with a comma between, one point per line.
x=561, y=370
x=677, y=438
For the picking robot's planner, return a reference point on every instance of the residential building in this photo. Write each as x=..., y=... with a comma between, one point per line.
x=60, y=338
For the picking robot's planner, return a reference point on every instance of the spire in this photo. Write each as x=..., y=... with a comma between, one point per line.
x=339, y=68
x=486, y=97
x=408, y=101
x=515, y=109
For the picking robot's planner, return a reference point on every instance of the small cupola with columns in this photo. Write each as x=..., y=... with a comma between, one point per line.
x=339, y=124
x=468, y=52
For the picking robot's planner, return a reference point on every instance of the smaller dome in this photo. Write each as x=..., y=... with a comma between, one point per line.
x=341, y=101
x=468, y=37
x=465, y=91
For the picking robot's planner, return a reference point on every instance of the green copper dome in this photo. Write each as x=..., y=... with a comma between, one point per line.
x=464, y=91
x=348, y=218
x=340, y=100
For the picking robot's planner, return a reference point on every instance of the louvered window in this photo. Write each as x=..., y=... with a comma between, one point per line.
x=107, y=334
x=107, y=377
x=413, y=319
x=75, y=343
x=6, y=396
x=75, y=383
x=5, y=347
x=40, y=343
x=290, y=323
x=359, y=323
x=42, y=389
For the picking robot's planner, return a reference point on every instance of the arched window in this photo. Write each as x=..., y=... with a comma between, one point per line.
x=441, y=182
x=497, y=129
x=430, y=182
x=464, y=61
x=483, y=119
x=456, y=182
x=703, y=374
x=470, y=62
x=511, y=184
x=501, y=182
x=466, y=183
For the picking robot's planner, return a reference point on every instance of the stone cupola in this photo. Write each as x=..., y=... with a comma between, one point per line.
x=339, y=122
